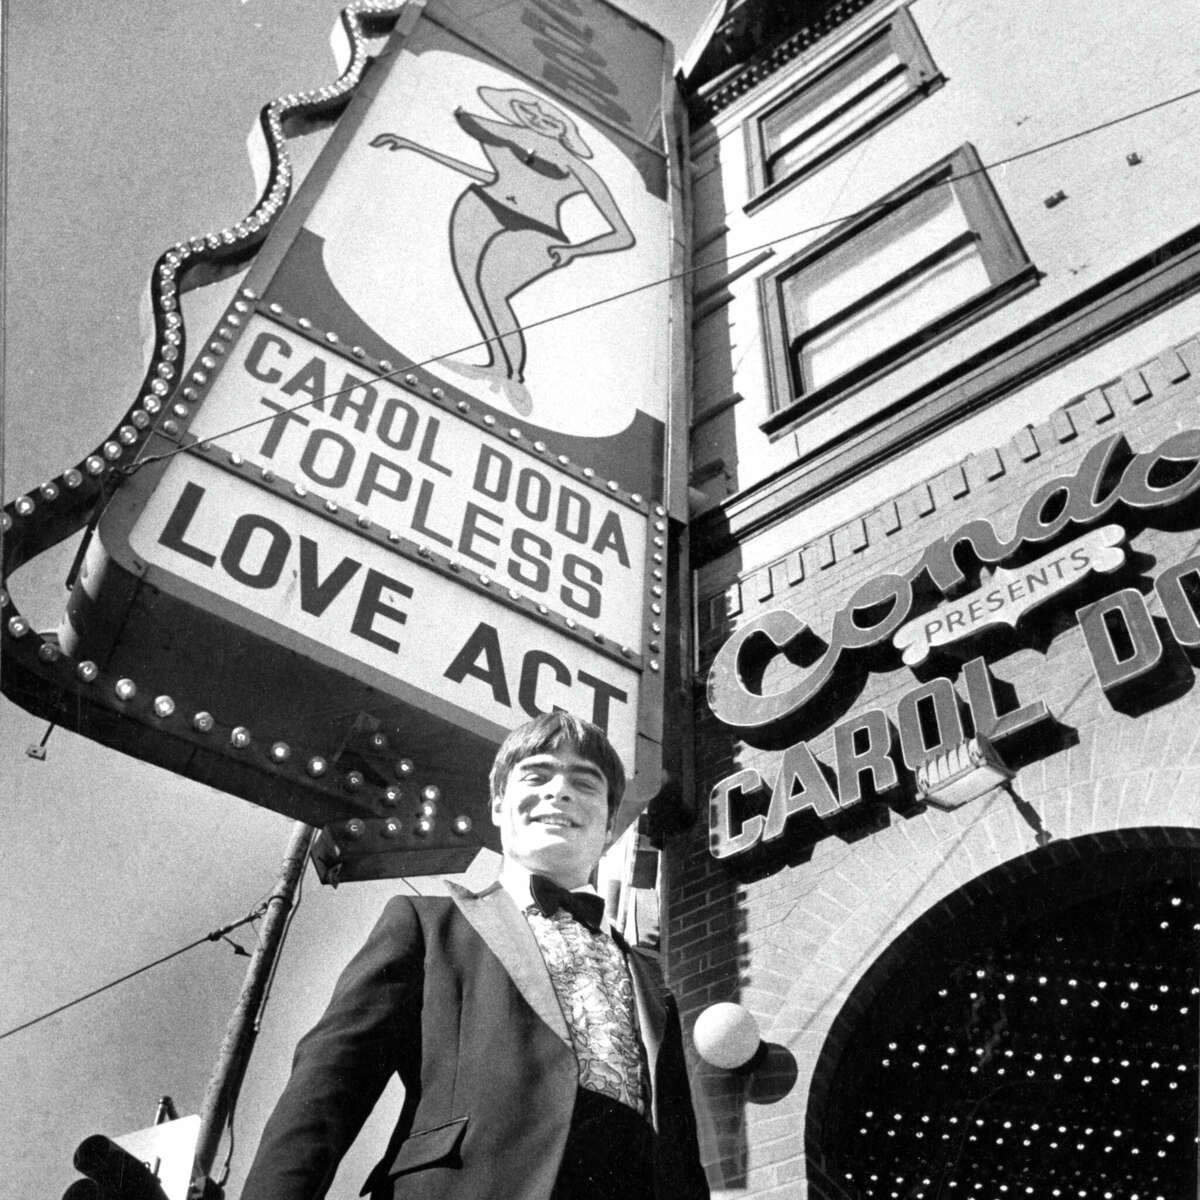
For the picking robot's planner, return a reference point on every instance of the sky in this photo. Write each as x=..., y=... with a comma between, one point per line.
x=126, y=130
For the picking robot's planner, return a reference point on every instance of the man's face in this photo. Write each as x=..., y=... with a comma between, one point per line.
x=553, y=815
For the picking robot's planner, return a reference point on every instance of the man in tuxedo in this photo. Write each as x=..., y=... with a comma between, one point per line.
x=540, y=1057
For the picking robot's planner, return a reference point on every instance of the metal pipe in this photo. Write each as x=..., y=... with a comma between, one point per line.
x=242, y=1030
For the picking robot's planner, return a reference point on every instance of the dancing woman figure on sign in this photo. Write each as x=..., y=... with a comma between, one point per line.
x=505, y=229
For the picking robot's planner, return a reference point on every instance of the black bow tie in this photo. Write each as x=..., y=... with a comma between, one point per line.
x=586, y=907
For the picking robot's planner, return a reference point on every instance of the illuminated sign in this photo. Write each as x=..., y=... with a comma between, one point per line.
x=1010, y=594
x=408, y=467
x=1122, y=643
x=364, y=609
x=418, y=483
x=872, y=747
x=1153, y=479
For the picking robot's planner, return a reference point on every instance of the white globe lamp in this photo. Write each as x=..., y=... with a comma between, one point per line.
x=726, y=1035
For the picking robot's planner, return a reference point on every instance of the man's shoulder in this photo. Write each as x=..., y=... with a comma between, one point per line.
x=426, y=907
x=412, y=921
x=443, y=926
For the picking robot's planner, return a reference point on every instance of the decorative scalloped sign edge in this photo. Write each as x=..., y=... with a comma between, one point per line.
x=34, y=667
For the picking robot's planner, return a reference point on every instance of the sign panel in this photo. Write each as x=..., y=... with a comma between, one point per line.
x=477, y=227
x=1010, y=594
x=167, y=1150
x=875, y=750
x=1147, y=480
x=414, y=487
x=364, y=609
x=410, y=467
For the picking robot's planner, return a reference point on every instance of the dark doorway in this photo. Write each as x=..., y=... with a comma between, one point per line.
x=1037, y=1038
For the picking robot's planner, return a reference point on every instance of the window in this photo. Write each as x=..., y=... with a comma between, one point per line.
x=888, y=284
x=875, y=80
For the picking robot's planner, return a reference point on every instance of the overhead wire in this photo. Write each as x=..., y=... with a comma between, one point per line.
x=817, y=227
x=215, y=936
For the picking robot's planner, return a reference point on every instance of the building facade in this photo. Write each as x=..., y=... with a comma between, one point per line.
x=945, y=473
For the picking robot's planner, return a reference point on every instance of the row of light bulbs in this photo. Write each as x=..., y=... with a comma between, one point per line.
x=240, y=737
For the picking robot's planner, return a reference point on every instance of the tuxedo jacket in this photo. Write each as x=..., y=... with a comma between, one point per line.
x=452, y=994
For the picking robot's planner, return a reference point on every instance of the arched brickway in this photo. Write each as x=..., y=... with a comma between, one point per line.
x=1034, y=1035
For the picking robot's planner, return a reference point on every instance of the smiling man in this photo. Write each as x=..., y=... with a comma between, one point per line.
x=540, y=1057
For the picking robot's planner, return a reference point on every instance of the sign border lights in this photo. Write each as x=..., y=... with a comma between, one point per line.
x=91, y=677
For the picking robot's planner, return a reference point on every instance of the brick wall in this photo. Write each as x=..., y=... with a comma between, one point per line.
x=791, y=929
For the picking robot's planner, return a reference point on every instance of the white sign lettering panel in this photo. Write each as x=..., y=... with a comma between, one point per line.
x=1010, y=593
x=490, y=506
x=408, y=630
x=424, y=477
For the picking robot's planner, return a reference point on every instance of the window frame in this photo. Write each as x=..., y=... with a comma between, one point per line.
x=905, y=39
x=1008, y=267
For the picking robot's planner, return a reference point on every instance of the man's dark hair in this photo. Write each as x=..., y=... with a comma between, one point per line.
x=553, y=731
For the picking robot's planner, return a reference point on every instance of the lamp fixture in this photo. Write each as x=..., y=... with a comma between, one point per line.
x=954, y=777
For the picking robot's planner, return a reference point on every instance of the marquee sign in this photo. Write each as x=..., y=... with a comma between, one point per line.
x=1166, y=475
x=871, y=746
x=418, y=483
x=397, y=461
x=1010, y=594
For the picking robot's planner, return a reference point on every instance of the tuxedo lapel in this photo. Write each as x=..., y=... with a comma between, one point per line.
x=496, y=918
x=651, y=1012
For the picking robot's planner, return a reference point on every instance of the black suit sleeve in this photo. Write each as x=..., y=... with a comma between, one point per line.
x=344, y=1062
x=678, y=1168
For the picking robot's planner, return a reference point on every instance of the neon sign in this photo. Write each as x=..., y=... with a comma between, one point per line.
x=881, y=606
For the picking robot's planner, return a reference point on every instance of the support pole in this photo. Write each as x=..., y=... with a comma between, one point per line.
x=221, y=1094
